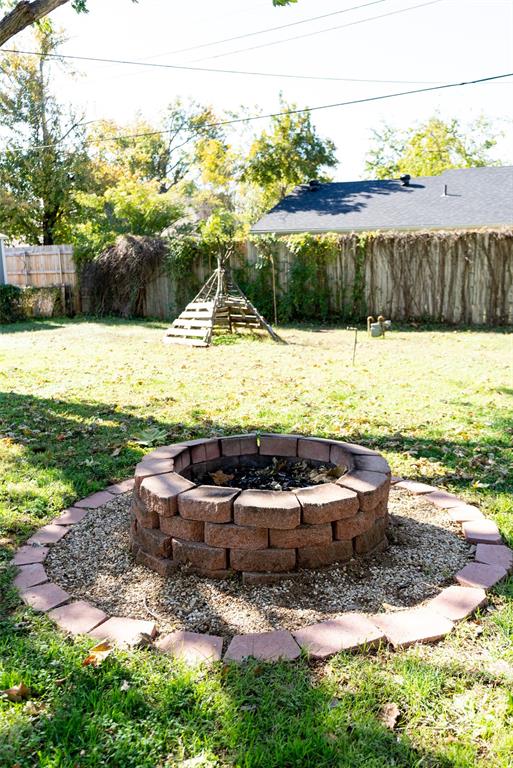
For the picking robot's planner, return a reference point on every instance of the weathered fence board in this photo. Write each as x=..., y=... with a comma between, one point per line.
x=453, y=277
x=40, y=265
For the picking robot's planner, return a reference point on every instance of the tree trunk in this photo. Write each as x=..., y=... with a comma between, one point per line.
x=25, y=13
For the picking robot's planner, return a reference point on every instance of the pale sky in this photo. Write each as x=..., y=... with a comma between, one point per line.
x=441, y=42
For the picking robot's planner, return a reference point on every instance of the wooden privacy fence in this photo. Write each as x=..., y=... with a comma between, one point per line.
x=44, y=266
x=448, y=277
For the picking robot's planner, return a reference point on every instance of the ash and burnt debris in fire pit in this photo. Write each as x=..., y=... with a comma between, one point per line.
x=279, y=474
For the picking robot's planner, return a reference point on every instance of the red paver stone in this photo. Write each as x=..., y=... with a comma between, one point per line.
x=372, y=464
x=160, y=492
x=271, y=560
x=166, y=452
x=48, y=534
x=456, y=603
x=267, y=509
x=345, y=633
x=122, y=487
x=396, y=479
x=150, y=467
x=239, y=445
x=199, y=555
x=240, y=536
x=123, y=631
x=480, y=575
x=153, y=541
x=30, y=554
x=30, y=576
x=465, y=512
x=371, y=539
x=412, y=486
x=371, y=487
x=191, y=647
x=70, y=516
x=182, y=460
x=204, y=450
x=44, y=597
x=418, y=625
x=348, y=528
x=358, y=450
x=180, y=528
x=310, y=448
x=326, y=503
x=164, y=566
x=95, y=500
x=481, y=531
x=278, y=445
x=495, y=554
x=146, y=518
x=77, y=618
x=444, y=500
x=340, y=456
x=209, y=503
x=264, y=646
x=316, y=557
x=303, y=536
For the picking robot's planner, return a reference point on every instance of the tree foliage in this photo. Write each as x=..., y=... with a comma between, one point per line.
x=290, y=153
x=44, y=158
x=430, y=148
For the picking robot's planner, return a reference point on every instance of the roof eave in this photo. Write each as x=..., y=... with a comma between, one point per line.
x=342, y=230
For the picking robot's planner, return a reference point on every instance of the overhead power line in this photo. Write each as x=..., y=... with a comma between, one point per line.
x=271, y=29
x=252, y=118
x=319, y=31
x=154, y=65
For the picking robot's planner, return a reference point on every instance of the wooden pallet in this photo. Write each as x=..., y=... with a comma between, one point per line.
x=219, y=305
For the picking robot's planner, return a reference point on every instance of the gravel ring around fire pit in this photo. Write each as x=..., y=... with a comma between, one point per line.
x=93, y=563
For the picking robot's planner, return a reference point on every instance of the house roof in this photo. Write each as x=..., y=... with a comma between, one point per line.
x=476, y=197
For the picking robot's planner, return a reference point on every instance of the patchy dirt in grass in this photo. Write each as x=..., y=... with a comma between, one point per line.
x=93, y=562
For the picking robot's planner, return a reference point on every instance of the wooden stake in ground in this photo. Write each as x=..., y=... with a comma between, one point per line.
x=219, y=305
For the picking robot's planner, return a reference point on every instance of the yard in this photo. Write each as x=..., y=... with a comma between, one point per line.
x=81, y=401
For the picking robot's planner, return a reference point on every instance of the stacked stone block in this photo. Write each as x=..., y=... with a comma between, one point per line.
x=216, y=531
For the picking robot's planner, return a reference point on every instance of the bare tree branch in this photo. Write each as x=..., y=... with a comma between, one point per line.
x=24, y=14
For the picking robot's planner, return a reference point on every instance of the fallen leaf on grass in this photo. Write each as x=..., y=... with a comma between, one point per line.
x=220, y=477
x=97, y=654
x=389, y=715
x=16, y=693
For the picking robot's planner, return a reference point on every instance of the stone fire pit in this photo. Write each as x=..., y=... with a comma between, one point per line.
x=264, y=534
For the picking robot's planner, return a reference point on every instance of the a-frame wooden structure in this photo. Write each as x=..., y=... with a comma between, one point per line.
x=220, y=305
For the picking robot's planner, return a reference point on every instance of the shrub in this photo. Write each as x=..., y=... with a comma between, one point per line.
x=10, y=304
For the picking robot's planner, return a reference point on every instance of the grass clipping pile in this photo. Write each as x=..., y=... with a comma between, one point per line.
x=93, y=562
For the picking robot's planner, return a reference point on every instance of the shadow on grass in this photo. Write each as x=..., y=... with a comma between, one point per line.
x=84, y=446
x=254, y=716
x=140, y=710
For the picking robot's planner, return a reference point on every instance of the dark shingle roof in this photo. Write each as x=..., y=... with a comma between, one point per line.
x=476, y=197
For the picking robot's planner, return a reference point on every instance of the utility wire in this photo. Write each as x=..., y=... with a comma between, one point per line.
x=154, y=65
x=269, y=29
x=144, y=134
x=318, y=32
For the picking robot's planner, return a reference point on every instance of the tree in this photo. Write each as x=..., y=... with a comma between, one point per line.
x=25, y=13
x=430, y=148
x=290, y=154
x=42, y=150
x=128, y=208
x=165, y=154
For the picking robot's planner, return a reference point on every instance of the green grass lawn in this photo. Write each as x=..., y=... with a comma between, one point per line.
x=79, y=399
